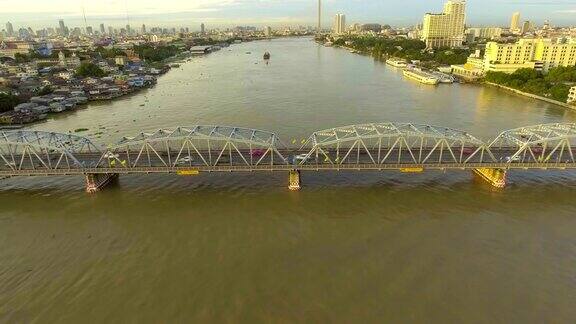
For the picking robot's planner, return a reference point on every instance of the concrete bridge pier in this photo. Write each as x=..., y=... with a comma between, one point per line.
x=495, y=177
x=294, y=180
x=97, y=181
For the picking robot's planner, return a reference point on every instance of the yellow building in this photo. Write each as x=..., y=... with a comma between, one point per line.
x=541, y=54
x=561, y=53
x=515, y=22
x=445, y=29
x=472, y=70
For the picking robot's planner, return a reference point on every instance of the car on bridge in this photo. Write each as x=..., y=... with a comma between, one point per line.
x=185, y=160
x=301, y=157
x=257, y=152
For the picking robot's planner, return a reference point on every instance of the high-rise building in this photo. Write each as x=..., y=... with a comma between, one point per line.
x=515, y=22
x=202, y=28
x=445, y=29
x=340, y=24
x=102, y=29
x=143, y=29
x=128, y=29
x=63, y=29
x=89, y=30
x=319, y=16
x=110, y=31
x=527, y=27
x=9, y=29
x=268, y=31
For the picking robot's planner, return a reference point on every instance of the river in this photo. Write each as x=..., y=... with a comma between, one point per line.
x=348, y=248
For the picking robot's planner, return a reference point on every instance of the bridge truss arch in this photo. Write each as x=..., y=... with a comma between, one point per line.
x=197, y=146
x=544, y=143
x=394, y=143
x=40, y=150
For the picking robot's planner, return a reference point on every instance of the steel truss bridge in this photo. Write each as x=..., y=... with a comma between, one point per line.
x=383, y=146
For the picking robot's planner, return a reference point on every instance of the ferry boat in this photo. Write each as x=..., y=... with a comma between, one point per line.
x=396, y=63
x=266, y=56
x=420, y=76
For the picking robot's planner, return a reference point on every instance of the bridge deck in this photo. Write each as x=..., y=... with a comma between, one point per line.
x=285, y=168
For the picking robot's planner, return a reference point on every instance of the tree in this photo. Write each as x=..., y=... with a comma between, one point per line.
x=45, y=91
x=560, y=92
x=156, y=54
x=8, y=102
x=109, y=53
x=21, y=58
x=86, y=70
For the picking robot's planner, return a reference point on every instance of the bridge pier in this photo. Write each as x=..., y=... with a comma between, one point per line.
x=294, y=180
x=495, y=177
x=97, y=181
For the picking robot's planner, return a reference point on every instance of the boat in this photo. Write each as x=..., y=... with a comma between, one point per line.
x=420, y=76
x=443, y=77
x=399, y=63
x=266, y=56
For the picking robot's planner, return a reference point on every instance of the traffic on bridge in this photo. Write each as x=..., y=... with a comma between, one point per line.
x=379, y=146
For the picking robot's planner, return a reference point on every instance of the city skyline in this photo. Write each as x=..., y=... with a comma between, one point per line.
x=224, y=13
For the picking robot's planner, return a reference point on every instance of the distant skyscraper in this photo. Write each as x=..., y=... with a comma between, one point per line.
x=9, y=29
x=515, y=22
x=527, y=27
x=63, y=28
x=319, y=16
x=445, y=29
x=202, y=28
x=89, y=30
x=339, y=24
x=110, y=31
x=267, y=31
x=102, y=29
x=143, y=29
x=128, y=30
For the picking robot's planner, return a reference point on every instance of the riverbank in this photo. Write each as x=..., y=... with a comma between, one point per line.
x=530, y=95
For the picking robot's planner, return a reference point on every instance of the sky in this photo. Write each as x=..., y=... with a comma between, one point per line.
x=225, y=13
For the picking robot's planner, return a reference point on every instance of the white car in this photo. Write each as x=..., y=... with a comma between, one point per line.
x=110, y=155
x=185, y=160
x=301, y=157
x=510, y=159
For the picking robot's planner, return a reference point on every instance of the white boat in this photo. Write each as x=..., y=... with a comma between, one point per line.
x=420, y=76
x=399, y=63
x=443, y=77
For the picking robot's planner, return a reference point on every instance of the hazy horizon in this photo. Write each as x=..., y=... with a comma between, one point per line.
x=226, y=13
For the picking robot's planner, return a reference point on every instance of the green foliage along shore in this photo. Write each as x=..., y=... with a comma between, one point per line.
x=86, y=70
x=8, y=102
x=157, y=53
x=554, y=85
x=409, y=49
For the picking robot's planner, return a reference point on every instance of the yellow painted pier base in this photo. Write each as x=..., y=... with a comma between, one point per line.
x=496, y=177
x=294, y=180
